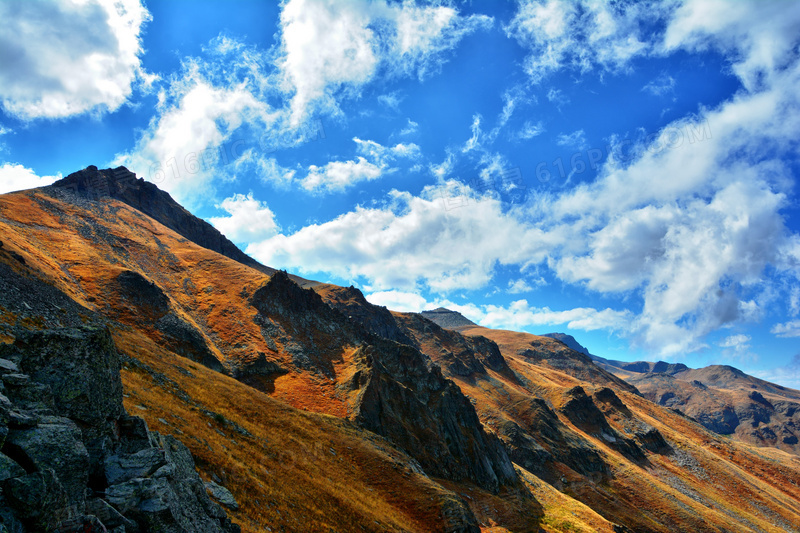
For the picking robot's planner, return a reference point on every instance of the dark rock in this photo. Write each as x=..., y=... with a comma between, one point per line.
x=143, y=293
x=401, y=393
x=184, y=339
x=409, y=402
x=72, y=362
x=49, y=463
x=126, y=466
x=8, y=367
x=447, y=319
x=221, y=495
x=9, y=468
x=54, y=444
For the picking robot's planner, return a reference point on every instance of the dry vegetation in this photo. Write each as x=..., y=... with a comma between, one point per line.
x=293, y=462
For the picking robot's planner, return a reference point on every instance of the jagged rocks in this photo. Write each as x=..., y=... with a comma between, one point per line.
x=410, y=403
x=75, y=459
x=399, y=392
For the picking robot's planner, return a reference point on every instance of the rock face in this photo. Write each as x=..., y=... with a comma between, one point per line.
x=121, y=184
x=398, y=391
x=405, y=398
x=447, y=319
x=73, y=460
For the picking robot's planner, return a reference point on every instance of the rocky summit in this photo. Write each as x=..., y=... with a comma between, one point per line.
x=155, y=378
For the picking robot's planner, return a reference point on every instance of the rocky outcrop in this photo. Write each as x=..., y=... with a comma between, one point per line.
x=447, y=319
x=399, y=392
x=73, y=460
x=148, y=303
x=584, y=413
x=457, y=354
x=374, y=318
x=406, y=399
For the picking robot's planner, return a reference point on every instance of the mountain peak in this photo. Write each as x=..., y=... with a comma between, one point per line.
x=570, y=341
x=123, y=185
x=447, y=319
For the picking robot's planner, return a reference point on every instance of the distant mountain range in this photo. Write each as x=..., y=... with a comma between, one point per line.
x=722, y=398
x=234, y=391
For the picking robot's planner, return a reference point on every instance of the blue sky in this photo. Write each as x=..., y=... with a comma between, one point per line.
x=625, y=172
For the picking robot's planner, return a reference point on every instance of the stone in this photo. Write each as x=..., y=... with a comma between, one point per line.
x=221, y=495
x=54, y=444
x=124, y=467
x=8, y=367
x=9, y=468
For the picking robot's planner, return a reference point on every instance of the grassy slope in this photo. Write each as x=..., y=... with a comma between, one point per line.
x=708, y=479
x=285, y=475
x=297, y=470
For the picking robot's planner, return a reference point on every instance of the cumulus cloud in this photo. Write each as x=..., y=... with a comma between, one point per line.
x=374, y=161
x=406, y=302
x=412, y=241
x=787, y=329
x=686, y=224
x=15, y=177
x=248, y=219
x=331, y=47
x=339, y=175
x=70, y=57
x=210, y=114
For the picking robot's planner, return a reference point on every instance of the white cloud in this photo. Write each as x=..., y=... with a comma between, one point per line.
x=70, y=57
x=411, y=128
x=686, y=225
x=530, y=130
x=15, y=177
x=521, y=285
x=406, y=302
x=759, y=38
x=579, y=35
x=738, y=341
x=661, y=85
x=332, y=47
x=575, y=140
x=249, y=219
x=445, y=239
x=518, y=315
x=182, y=149
x=787, y=329
x=521, y=315
x=339, y=175
x=374, y=161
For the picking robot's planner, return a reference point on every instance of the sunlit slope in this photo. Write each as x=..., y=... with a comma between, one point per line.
x=584, y=433
x=699, y=481
x=265, y=331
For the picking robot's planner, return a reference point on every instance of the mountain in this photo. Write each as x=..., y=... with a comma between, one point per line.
x=722, y=398
x=306, y=408
x=447, y=318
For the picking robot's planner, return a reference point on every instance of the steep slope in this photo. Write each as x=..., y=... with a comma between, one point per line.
x=230, y=360
x=580, y=430
x=265, y=331
x=289, y=470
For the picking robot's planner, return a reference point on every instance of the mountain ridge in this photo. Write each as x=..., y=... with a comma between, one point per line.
x=323, y=397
